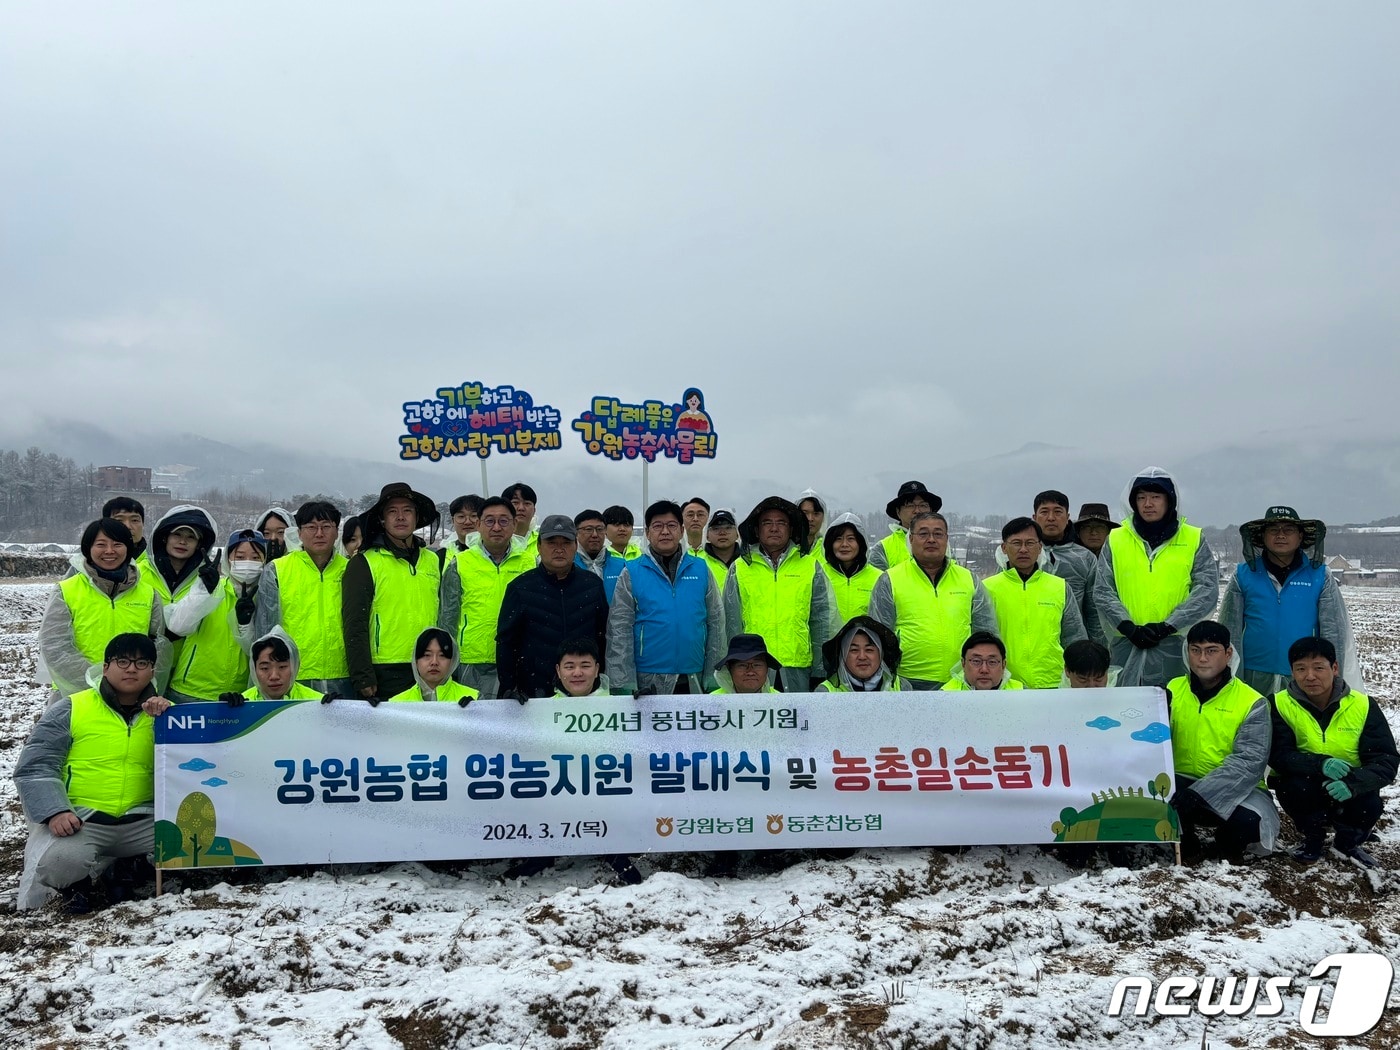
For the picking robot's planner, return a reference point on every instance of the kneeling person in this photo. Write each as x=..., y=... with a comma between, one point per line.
x=579, y=672
x=748, y=666
x=434, y=659
x=1332, y=752
x=1087, y=666
x=866, y=657
x=86, y=778
x=1220, y=745
x=983, y=666
x=275, y=660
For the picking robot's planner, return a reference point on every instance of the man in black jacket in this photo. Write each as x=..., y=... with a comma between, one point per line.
x=1332, y=753
x=542, y=608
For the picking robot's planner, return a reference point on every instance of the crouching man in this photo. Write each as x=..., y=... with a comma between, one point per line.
x=1332, y=753
x=1220, y=743
x=86, y=778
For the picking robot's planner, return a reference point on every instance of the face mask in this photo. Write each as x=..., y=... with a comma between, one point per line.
x=245, y=571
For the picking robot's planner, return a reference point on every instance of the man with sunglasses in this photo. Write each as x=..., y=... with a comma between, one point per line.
x=86, y=779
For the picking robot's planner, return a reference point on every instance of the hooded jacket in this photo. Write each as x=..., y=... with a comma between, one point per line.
x=161, y=575
x=293, y=537
x=86, y=612
x=1177, y=579
x=297, y=690
x=850, y=585
x=836, y=650
x=448, y=690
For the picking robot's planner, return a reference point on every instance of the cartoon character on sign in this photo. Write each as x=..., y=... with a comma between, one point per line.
x=693, y=417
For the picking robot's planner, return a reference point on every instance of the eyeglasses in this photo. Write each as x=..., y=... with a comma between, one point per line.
x=987, y=662
x=126, y=664
x=664, y=526
x=1023, y=545
x=591, y=530
x=925, y=534
x=319, y=526
x=1205, y=650
x=498, y=523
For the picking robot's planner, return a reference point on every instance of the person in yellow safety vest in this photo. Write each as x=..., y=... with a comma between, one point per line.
x=695, y=512
x=523, y=499
x=579, y=671
x=866, y=657
x=1220, y=731
x=179, y=552
x=106, y=596
x=466, y=521
x=813, y=508
x=390, y=592
x=1087, y=666
x=844, y=560
x=982, y=667
x=913, y=498
x=473, y=587
x=275, y=663
x=721, y=545
x=1037, y=615
x=1332, y=752
x=302, y=593
x=1156, y=577
x=216, y=626
x=86, y=780
x=620, y=523
x=435, y=657
x=776, y=590
x=748, y=667
x=932, y=603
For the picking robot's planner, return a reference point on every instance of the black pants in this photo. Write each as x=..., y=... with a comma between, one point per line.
x=1313, y=810
x=1232, y=833
x=392, y=679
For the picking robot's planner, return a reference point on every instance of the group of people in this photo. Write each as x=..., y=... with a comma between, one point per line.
x=309, y=605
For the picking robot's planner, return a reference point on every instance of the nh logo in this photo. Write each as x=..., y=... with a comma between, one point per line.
x=186, y=721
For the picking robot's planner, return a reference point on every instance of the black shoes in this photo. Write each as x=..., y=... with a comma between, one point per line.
x=1310, y=852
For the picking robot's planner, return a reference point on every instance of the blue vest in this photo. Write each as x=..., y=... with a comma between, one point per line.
x=668, y=634
x=1275, y=618
x=613, y=565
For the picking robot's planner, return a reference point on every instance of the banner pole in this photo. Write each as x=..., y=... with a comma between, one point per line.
x=160, y=878
x=485, y=486
x=646, y=499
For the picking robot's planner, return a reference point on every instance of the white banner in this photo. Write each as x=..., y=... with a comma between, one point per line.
x=307, y=783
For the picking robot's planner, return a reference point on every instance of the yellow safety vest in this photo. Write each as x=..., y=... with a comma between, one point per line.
x=296, y=692
x=1342, y=737
x=1152, y=586
x=111, y=765
x=896, y=546
x=852, y=592
x=210, y=661
x=1029, y=614
x=309, y=602
x=777, y=603
x=405, y=603
x=97, y=619
x=958, y=684
x=1203, y=735
x=718, y=569
x=932, y=622
x=483, y=589
x=449, y=690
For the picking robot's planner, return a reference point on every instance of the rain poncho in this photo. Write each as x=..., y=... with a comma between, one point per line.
x=1333, y=623
x=622, y=629
x=162, y=576
x=1235, y=782
x=601, y=687
x=816, y=539
x=725, y=681
x=69, y=670
x=1158, y=665
x=885, y=680
x=293, y=538
x=297, y=690
x=1021, y=649
x=449, y=690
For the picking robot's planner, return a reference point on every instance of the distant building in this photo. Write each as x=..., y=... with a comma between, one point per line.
x=124, y=479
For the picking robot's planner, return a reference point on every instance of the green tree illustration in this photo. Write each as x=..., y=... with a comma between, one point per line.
x=196, y=822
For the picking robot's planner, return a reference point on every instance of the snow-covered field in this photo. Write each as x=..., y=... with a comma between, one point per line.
x=910, y=948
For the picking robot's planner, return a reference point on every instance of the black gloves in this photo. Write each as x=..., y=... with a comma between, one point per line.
x=637, y=694
x=1162, y=630
x=465, y=701
x=520, y=696
x=233, y=699
x=374, y=701
x=275, y=549
x=1142, y=637
x=328, y=698
x=243, y=609
x=1186, y=802
x=209, y=573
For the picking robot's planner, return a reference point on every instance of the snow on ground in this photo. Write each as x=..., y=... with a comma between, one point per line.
x=907, y=948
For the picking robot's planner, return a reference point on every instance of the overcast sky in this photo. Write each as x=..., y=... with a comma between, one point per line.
x=877, y=235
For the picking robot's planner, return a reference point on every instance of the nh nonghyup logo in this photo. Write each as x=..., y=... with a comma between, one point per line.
x=1360, y=990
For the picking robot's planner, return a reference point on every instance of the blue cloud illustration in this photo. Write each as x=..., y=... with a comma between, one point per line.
x=1104, y=722
x=214, y=782
x=1152, y=733
x=197, y=765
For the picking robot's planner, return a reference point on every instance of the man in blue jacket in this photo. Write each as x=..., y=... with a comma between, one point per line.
x=666, y=625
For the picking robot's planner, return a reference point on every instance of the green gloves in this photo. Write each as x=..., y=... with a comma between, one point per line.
x=1338, y=790
x=1335, y=769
